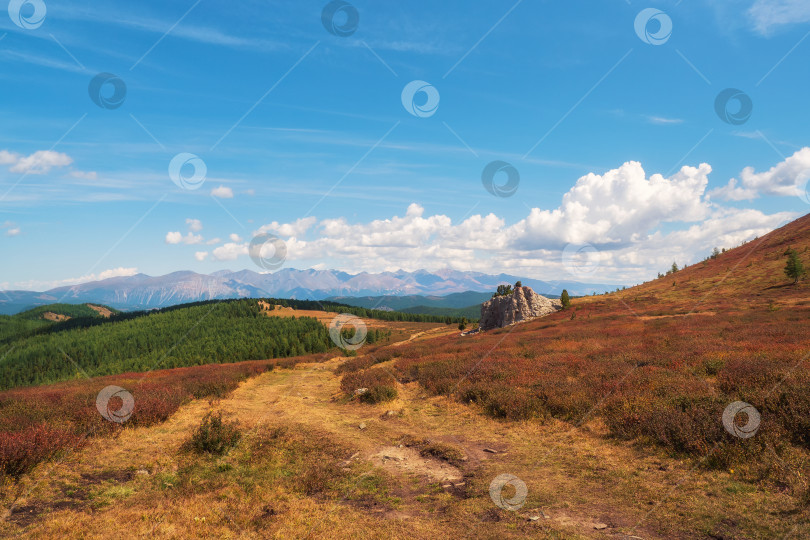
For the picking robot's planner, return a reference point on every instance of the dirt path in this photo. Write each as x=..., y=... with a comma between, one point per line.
x=578, y=484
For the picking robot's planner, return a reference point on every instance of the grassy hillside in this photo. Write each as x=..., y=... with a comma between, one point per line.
x=753, y=272
x=659, y=363
x=66, y=310
x=610, y=412
x=45, y=317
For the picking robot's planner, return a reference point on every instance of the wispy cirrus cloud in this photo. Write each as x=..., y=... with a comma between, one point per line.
x=767, y=15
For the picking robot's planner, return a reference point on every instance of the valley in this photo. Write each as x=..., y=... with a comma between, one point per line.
x=608, y=413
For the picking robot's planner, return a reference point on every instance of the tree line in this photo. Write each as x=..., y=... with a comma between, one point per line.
x=207, y=332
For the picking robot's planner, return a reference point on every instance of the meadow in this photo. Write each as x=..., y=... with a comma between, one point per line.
x=646, y=372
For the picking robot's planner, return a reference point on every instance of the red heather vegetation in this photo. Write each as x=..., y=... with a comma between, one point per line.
x=658, y=363
x=39, y=423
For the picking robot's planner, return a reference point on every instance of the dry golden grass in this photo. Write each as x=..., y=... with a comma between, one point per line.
x=143, y=483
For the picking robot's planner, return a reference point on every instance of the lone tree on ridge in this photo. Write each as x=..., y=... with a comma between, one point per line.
x=794, y=269
x=565, y=299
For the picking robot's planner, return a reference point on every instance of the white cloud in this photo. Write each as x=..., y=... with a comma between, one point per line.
x=117, y=272
x=200, y=255
x=40, y=162
x=176, y=237
x=616, y=207
x=788, y=178
x=11, y=228
x=235, y=237
x=768, y=14
x=297, y=229
x=8, y=158
x=639, y=224
x=222, y=192
x=213, y=241
x=230, y=251
x=194, y=225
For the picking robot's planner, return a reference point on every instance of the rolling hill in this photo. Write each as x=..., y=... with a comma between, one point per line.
x=609, y=418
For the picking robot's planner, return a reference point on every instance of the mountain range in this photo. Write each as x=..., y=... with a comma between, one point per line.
x=141, y=291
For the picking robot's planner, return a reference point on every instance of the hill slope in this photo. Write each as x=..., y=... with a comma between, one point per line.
x=753, y=272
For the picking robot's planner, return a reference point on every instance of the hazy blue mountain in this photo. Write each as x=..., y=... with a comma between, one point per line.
x=443, y=288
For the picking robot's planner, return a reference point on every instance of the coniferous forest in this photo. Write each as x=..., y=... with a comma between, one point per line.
x=39, y=352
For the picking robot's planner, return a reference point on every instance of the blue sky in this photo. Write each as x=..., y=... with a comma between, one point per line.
x=304, y=135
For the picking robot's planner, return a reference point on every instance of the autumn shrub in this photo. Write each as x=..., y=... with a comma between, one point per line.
x=514, y=404
x=38, y=423
x=22, y=451
x=213, y=435
x=379, y=383
x=363, y=362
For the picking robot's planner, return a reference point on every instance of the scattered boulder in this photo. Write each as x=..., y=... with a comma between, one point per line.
x=523, y=304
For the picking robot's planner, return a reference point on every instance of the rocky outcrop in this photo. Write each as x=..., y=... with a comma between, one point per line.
x=523, y=304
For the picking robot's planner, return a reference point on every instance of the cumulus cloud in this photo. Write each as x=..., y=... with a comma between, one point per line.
x=297, y=229
x=175, y=237
x=235, y=237
x=788, y=178
x=638, y=224
x=200, y=255
x=194, y=225
x=222, y=192
x=769, y=14
x=117, y=272
x=615, y=207
x=8, y=158
x=230, y=251
x=40, y=162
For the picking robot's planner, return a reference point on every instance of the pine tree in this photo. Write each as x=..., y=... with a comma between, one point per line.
x=565, y=299
x=794, y=268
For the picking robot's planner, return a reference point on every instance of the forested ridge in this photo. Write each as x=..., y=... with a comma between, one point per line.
x=187, y=335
